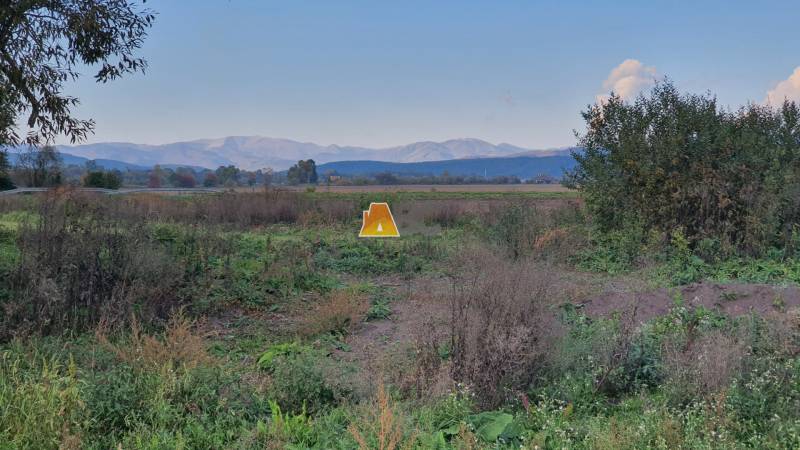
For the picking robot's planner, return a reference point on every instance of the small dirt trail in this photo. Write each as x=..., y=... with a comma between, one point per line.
x=419, y=309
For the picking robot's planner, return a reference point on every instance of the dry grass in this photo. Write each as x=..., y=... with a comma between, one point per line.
x=340, y=312
x=180, y=346
x=703, y=366
x=239, y=209
x=382, y=429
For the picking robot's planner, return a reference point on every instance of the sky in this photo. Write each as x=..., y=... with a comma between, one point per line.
x=381, y=73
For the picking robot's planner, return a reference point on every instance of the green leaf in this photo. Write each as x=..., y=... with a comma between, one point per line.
x=491, y=424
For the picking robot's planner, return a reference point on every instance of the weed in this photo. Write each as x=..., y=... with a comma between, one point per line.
x=382, y=429
x=380, y=307
x=180, y=348
x=40, y=408
x=285, y=428
x=338, y=313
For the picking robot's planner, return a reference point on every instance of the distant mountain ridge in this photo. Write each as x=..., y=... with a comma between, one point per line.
x=107, y=164
x=524, y=167
x=256, y=152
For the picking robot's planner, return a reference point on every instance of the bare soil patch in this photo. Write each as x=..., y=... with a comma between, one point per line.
x=735, y=299
x=419, y=310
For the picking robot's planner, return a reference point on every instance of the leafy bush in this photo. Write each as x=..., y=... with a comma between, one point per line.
x=670, y=161
x=303, y=378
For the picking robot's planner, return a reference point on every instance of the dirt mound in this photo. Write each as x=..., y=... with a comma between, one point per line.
x=734, y=299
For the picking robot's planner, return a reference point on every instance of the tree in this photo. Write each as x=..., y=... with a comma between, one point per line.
x=305, y=171
x=43, y=43
x=155, y=177
x=95, y=179
x=40, y=167
x=210, y=179
x=268, y=176
x=293, y=175
x=184, y=178
x=386, y=178
x=228, y=175
x=102, y=179
x=311, y=170
x=113, y=179
x=5, y=180
x=252, y=177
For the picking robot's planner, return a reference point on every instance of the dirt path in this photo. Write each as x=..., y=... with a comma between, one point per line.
x=419, y=311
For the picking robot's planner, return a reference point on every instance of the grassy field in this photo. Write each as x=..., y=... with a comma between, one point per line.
x=499, y=319
x=470, y=188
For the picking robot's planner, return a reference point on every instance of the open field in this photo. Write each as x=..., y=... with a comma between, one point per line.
x=479, y=188
x=260, y=320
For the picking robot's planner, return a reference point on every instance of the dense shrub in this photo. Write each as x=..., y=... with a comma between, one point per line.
x=524, y=229
x=672, y=161
x=75, y=267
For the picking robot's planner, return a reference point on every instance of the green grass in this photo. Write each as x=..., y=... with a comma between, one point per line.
x=265, y=386
x=367, y=197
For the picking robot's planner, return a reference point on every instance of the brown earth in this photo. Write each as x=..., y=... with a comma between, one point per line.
x=736, y=299
x=425, y=309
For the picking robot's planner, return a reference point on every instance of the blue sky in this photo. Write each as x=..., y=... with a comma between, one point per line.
x=379, y=73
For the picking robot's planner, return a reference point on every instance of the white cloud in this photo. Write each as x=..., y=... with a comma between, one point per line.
x=628, y=79
x=788, y=89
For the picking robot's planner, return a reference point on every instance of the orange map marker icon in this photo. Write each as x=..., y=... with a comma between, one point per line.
x=379, y=222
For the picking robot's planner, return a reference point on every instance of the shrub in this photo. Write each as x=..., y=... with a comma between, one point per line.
x=669, y=160
x=306, y=379
x=700, y=367
x=76, y=266
x=501, y=326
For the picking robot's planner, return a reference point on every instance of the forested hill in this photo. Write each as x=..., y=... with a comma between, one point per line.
x=522, y=167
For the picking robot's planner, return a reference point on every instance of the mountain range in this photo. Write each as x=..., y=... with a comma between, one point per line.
x=256, y=152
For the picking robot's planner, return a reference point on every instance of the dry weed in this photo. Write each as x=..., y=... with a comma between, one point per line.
x=339, y=312
x=382, y=429
x=703, y=366
x=501, y=324
x=179, y=347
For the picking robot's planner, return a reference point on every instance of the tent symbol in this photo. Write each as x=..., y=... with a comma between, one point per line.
x=379, y=222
